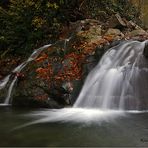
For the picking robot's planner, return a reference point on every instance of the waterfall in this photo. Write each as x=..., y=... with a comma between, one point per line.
x=18, y=69
x=4, y=82
x=116, y=86
x=7, y=100
x=119, y=81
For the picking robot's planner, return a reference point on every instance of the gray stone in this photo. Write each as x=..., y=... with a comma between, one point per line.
x=145, y=52
x=116, y=22
x=112, y=31
x=138, y=32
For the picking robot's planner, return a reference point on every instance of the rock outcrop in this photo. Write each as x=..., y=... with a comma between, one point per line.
x=55, y=78
x=145, y=52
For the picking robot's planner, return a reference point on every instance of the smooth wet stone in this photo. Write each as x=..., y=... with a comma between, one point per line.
x=145, y=52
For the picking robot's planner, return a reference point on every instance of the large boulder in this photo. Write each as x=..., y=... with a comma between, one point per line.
x=55, y=77
x=145, y=52
x=52, y=78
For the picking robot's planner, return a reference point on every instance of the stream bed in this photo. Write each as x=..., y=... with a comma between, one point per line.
x=128, y=130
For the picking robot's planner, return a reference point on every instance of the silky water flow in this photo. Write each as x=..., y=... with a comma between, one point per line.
x=119, y=81
x=117, y=84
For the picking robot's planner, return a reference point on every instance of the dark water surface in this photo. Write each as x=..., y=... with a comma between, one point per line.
x=129, y=130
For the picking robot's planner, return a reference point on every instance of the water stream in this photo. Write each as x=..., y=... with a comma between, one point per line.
x=119, y=81
x=115, y=87
x=111, y=109
x=83, y=129
x=18, y=69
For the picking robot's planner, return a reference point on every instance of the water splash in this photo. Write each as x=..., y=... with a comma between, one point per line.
x=73, y=115
x=119, y=81
x=114, y=88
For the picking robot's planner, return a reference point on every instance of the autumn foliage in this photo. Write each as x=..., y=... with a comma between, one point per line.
x=45, y=73
x=71, y=70
x=72, y=62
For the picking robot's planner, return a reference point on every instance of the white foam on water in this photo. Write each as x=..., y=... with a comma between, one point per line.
x=115, y=87
x=73, y=115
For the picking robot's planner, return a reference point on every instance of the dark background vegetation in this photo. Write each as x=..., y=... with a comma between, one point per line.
x=28, y=24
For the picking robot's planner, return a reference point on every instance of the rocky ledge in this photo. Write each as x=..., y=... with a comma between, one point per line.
x=55, y=77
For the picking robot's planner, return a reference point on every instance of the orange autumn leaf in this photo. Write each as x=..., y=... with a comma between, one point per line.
x=41, y=70
x=109, y=37
x=42, y=58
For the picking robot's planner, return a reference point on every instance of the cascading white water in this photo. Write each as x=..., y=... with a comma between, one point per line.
x=116, y=86
x=18, y=69
x=119, y=81
x=7, y=100
x=4, y=82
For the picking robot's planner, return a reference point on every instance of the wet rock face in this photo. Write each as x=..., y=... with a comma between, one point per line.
x=145, y=52
x=55, y=78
